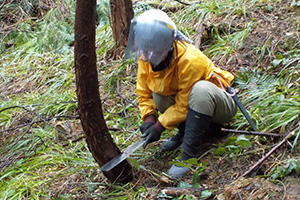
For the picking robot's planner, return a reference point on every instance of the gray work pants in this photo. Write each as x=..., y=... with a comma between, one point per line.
x=205, y=98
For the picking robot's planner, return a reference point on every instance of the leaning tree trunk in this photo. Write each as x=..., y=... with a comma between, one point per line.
x=98, y=138
x=121, y=15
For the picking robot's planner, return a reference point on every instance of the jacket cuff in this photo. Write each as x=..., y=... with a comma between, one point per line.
x=150, y=118
x=159, y=127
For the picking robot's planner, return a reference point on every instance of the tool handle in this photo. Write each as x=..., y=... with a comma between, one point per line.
x=231, y=91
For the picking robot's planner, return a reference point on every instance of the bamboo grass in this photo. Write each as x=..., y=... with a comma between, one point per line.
x=38, y=72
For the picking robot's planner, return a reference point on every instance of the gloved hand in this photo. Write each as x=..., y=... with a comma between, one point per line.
x=149, y=121
x=153, y=133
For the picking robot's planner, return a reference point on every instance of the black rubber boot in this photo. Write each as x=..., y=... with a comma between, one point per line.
x=196, y=126
x=176, y=140
x=213, y=133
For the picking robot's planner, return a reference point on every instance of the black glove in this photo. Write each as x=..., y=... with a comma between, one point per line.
x=153, y=133
x=149, y=121
x=145, y=126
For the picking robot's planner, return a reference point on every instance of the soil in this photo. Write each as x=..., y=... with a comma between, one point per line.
x=222, y=176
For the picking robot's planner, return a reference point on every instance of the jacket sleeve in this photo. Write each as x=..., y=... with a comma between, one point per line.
x=220, y=78
x=145, y=99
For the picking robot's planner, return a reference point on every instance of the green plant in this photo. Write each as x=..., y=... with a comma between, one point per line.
x=286, y=168
x=37, y=73
x=277, y=93
x=200, y=168
x=233, y=145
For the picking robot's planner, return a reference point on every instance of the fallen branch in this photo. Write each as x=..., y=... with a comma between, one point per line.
x=289, y=135
x=123, y=98
x=40, y=121
x=250, y=132
x=16, y=141
x=23, y=107
x=32, y=112
x=186, y=4
x=173, y=191
x=8, y=161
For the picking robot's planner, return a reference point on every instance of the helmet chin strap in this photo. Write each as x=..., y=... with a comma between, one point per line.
x=163, y=64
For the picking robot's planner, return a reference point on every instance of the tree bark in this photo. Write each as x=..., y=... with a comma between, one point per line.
x=98, y=138
x=121, y=15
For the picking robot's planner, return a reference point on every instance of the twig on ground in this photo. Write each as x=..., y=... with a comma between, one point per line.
x=289, y=135
x=284, y=188
x=174, y=191
x=8, y=161
x=187, y=4
x=119, y=94
x=30, y=111
x=250, y=132
x=11, y=158
x=39, y=121
x=17, y=139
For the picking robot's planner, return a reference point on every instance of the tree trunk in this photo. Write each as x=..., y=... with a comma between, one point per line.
x=121, y=15
x=98, y=138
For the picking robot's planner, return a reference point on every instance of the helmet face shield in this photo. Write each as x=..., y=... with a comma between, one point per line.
x=150, y=39
x=151, y=56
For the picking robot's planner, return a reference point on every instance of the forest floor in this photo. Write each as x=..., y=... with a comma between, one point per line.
x=273, y=25
x=222, y=176
x=218, y=175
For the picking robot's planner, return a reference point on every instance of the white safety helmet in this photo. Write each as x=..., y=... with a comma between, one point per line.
x=151, y=36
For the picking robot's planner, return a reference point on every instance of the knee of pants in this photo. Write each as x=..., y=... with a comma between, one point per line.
x=201, y=98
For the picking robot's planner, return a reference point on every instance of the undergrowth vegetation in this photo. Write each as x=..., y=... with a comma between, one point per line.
x=42, y=152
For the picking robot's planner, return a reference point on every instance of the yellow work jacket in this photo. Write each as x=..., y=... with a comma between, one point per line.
x=176, y=79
